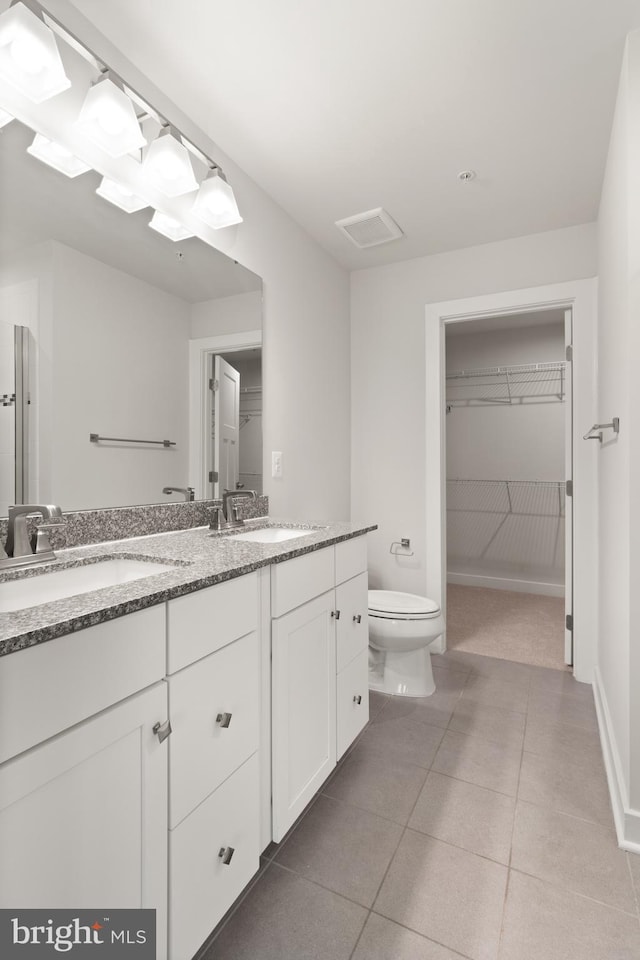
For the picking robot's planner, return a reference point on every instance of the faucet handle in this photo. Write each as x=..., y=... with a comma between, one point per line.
x=40, y=542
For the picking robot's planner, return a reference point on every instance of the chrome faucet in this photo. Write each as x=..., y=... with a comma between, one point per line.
x=20, y=549
x=189, y=492
x=230, y=508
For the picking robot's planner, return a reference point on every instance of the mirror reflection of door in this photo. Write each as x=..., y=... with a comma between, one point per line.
x=225, y=426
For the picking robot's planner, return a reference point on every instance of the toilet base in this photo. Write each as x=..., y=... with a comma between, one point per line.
x=406, y=674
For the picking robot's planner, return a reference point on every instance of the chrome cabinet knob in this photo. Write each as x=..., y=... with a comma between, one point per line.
x=335, y=614
x=357, y=618
x=357, y=698
x=224, y=719
x=162, y=730
x=225, y=854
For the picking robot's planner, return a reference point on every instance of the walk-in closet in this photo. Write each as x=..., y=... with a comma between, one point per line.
x=508, y=396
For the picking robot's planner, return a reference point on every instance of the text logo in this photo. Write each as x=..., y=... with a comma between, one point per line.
x=27, y=934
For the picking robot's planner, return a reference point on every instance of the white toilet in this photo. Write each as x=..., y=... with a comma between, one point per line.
x=401, y=627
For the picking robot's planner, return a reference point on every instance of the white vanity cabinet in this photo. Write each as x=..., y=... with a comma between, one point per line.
x=83, y=803
x=319, y=670
x=214, y=684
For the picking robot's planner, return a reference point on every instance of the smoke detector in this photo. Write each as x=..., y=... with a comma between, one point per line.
x=370, y=228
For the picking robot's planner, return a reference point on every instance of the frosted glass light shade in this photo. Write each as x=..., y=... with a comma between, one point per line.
x=167, y=166
x=5, y=118
x=169, y=227
x=29, y=57
x=216, y=204
x=120, y=196
x=57, y=156
x=108, y=119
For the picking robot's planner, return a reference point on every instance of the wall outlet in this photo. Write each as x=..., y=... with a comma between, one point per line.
x=276, y=463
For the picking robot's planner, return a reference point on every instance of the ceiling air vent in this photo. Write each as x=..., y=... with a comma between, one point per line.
x=370, y=228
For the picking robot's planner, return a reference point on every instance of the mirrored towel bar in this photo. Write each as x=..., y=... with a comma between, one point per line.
x=595, y=433
x=96, y=438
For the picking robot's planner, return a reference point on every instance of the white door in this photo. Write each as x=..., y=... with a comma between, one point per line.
x=225, y=427
x=568, y=459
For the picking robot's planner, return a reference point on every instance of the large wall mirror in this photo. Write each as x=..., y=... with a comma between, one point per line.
x=112, y=311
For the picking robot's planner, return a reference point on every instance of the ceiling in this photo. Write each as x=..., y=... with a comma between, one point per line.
x=338, y=107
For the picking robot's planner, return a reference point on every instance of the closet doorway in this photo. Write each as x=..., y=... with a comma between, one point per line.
x=508, y=518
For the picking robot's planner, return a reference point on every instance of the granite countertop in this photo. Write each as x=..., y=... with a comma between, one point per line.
x=201, y=558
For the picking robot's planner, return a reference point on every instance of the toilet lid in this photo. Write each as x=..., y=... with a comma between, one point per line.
x=391, y=603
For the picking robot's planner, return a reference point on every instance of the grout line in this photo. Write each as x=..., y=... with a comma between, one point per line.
x=574, y=893
x=635, y=889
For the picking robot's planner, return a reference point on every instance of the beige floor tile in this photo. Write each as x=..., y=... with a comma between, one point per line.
x=478, y=761
x=449, y=681
x=468, y=816
x=577, y=788
x=492, y=723
x=497, y=692
x=436, y=709
x=560, y=708
x=560, y=681
x=572, y=854
x=285, y=917
x=446, y=894
x=342, y=848
x=543, y=922
x=565, y=741
x=403, y=738
x=633, y=859
x=388, y=786
x=384, y=940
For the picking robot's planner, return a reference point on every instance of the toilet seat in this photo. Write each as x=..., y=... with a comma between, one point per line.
x=394, y=605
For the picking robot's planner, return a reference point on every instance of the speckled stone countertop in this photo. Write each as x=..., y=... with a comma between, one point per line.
x=201, y=559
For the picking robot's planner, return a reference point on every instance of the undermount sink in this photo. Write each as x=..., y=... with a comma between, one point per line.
x=60, y=584
x=270, y=535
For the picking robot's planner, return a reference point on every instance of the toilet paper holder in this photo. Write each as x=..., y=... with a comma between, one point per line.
x=405, y=548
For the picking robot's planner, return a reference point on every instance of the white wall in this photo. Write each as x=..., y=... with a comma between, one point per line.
x=306, y=321
x=237, y=314
x=388, y=374
x=618, y=675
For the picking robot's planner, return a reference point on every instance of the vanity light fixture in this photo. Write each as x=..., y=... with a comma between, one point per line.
x=216, y=204
x=108, y=119
x=169, y=227
x=29, y=56
x=57, y=156
x=167, y=166
x=120, y=196
x=5, y=118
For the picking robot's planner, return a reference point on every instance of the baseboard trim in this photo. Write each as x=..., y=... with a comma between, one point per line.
x=626, y=819
x=506, y=583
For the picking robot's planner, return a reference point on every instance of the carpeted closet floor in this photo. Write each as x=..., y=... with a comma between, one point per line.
x=524, y=627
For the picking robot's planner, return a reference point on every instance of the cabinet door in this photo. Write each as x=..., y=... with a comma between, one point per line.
x=214, y=853
x=352, y=701
x=352, y=632
x=304, y=707
x=205, y=750
x=83, y=817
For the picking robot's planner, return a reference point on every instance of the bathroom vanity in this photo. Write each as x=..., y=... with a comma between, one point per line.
x=156, y=735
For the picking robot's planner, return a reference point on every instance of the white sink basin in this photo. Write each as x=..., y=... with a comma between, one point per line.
x=270, y=535
x=46, y=587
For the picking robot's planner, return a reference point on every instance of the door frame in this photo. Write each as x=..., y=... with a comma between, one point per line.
x=580, y=297
x=200, y=350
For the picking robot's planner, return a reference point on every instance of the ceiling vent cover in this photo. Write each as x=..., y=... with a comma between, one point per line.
x=370, y=228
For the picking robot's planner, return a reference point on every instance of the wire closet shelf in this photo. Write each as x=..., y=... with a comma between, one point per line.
x=512, y=384
x=525, y=498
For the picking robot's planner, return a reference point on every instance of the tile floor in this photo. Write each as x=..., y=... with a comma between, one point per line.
x=473, y=824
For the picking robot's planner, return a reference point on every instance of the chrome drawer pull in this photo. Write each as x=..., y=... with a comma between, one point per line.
x=226, y=853
x=224, y=719
x=357, y=618
x=336, y=614
x=162, y=730
x=357, y=698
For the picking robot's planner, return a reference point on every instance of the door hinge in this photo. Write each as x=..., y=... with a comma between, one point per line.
x=213, y=384
x=569, y=622
x=213, y=476
x=569, y=352
x=569, y=488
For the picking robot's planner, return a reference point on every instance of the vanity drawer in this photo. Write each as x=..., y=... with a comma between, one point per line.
x=52, y=686
x=353, y=715
x=351, y=558
x=352, y=634
x=202, y=622
x=202, y=887
x=202, y=751
x=303, y=578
